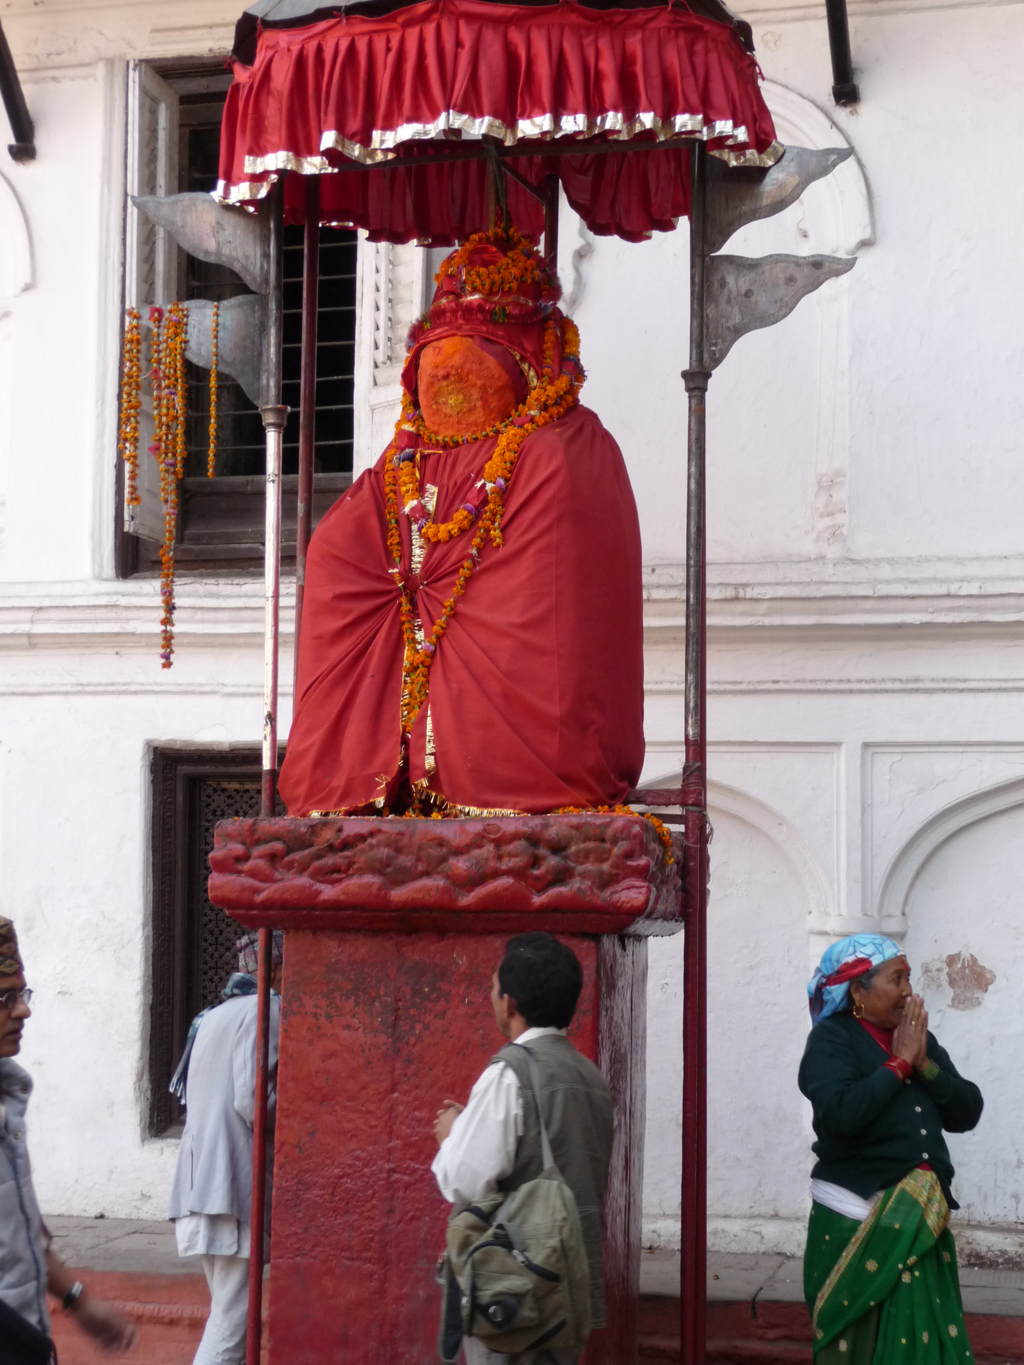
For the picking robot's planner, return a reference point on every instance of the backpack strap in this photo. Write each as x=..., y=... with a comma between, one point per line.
x=547, y=1156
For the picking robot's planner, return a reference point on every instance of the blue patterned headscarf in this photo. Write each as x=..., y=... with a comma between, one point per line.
x=843, y=962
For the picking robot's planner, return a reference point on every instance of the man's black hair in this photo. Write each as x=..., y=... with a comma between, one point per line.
x=543, y=977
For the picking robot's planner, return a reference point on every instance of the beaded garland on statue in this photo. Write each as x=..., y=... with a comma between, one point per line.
x=550, y=399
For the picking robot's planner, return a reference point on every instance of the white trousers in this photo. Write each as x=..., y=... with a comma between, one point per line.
x=476, y=1353
x=223, y=1341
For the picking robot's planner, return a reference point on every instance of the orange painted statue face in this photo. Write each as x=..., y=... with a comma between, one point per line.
x=461, y=388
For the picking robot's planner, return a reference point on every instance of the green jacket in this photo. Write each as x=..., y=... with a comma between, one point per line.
x=580, y=1122
x=873, y=1128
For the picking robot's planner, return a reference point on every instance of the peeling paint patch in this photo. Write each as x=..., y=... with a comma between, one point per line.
x=968, y=980
x=933, y=975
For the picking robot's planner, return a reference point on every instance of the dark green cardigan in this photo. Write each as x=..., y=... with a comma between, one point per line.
x=873, y=1128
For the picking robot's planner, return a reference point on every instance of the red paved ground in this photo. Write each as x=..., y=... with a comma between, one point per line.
x=169, y=1312
x=781, y=1334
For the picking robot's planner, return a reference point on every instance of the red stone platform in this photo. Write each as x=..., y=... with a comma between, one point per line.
x=591, y=874
x=393, y=929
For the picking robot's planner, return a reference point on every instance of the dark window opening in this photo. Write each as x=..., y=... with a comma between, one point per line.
x=193, y=950
x=220, y=520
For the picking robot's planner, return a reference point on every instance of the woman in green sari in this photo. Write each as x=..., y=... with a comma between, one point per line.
x=880, y=1274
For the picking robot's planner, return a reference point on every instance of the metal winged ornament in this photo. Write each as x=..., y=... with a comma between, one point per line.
x=241, y=241
x=743, y=294
x=214, y=232
x=740, y=195
x=241, y=326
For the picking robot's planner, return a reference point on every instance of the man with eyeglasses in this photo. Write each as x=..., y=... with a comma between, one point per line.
x=28, y=1268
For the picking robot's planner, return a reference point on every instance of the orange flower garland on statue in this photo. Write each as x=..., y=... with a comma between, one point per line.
x=549, y=400
x=662, y=830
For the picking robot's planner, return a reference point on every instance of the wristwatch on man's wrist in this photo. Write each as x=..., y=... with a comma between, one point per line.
x=70, y=1299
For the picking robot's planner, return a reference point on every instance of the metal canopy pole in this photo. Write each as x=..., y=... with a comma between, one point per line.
x=23, y=148
x=552, y=185
x=693, y=1226
x=274, y=416
x=307, y=401
x=844, y=87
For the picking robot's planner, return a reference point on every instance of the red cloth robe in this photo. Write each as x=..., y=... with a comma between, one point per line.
x=536, y=690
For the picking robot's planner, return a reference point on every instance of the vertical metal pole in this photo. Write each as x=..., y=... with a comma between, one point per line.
x=551, y=187
x=307, y=401
x=844, y=87
x=274, y=416
x=693, y=1229
x=23, y=148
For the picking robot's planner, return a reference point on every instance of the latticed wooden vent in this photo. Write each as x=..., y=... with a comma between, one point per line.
x=193, y=941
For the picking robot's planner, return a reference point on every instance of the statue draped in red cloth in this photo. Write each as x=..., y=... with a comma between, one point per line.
x=472, y=628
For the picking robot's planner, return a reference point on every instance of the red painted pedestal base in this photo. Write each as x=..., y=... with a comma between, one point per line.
x=383, y=1022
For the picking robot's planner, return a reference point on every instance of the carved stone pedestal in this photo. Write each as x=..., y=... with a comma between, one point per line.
x=393, y=929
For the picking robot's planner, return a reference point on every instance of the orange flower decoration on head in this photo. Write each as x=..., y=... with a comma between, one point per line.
x=496, y=286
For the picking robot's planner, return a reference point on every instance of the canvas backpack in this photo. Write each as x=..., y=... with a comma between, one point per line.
x=515, y=1273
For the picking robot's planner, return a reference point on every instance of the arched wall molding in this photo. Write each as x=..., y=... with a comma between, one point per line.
x=15, y=245
x=789, y=841
x=775, y=827
x=905, y=868
x=845, y=192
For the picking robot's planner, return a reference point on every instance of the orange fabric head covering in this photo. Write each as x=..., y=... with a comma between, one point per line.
x=467, y=384
x=496, y=288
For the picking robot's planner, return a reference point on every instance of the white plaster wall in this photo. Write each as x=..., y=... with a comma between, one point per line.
x=62, y=421
x=866, y=671
x=967, y=902
x=756, y=1134
x=77, y=724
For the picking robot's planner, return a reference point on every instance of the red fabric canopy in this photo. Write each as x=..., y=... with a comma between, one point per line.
x=359, y=92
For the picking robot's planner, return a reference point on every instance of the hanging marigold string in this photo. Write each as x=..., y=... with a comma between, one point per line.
x=662, y=830
x=168, y=449
x=211, y=452
x=550, y=399
x=131, y=401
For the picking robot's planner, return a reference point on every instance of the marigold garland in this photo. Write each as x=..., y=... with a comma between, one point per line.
x=131, y=402
x=663, y=833
x=168, y=449
x=549, y=400
x=211, y=452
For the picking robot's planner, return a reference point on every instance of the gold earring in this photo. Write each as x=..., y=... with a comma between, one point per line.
x=858, y=1010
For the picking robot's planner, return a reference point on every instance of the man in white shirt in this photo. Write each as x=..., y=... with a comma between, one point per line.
x=492, y=1144
x=211, y=1197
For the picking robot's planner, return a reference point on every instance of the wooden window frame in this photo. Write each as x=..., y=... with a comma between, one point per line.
x=220, y=520
x=176, y=774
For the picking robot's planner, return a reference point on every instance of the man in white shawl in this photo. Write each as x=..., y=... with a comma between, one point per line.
x=211, y=1198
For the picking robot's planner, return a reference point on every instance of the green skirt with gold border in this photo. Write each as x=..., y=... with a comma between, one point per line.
x=886, y=1290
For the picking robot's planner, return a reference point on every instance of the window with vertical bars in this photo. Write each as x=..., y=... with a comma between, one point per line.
x=221, y=519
